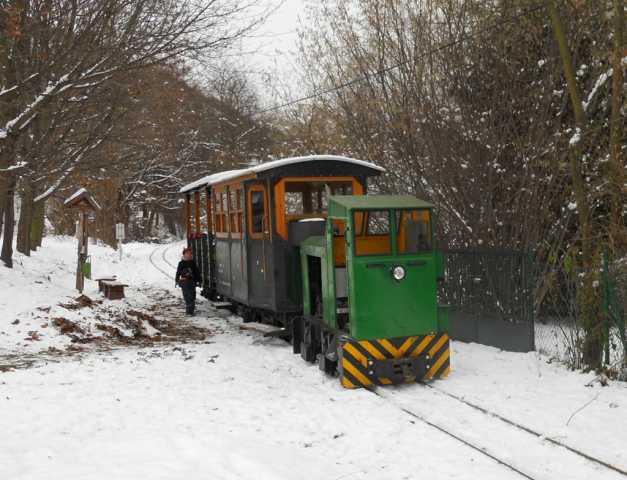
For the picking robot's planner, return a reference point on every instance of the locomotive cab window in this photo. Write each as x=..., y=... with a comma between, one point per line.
x=372, y=232
x=413, y=231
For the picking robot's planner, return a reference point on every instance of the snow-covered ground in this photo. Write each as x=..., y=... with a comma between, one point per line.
x=41, y=288
x=233, y=405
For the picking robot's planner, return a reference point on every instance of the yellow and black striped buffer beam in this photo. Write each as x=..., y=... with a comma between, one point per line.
x=365, y=363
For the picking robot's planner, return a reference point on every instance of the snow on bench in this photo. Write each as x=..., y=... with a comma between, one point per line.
x=113, y=290
x=111, y=278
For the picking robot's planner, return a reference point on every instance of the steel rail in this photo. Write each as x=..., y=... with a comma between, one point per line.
x=468, y=443
x=152, y=261
x=529, y=430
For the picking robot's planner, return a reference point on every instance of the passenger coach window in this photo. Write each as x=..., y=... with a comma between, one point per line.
x=372, y=232
x=413, y=229
x=236, y=211
x=219, y=213
x=257, y=211
x=307, y=199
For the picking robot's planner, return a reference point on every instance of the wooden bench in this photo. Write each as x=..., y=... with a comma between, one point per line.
x=104, y=279
x=113, y=290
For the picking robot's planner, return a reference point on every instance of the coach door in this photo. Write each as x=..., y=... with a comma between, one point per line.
x=260, y=279
x=237, y=247
x=222, y=240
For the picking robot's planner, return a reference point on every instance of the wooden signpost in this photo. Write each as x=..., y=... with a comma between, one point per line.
x=82, y=201
x=119, y=236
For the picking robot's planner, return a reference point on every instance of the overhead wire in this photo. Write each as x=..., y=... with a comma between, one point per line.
x=390, y=68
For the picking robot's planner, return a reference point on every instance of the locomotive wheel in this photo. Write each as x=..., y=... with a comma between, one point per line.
x=327, y=366
x=307, y=353
x=308, y=345
x=328, y=357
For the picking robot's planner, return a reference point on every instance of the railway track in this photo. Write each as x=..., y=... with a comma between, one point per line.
x=531, y=431
x=151, y=258
x=482, y=450
x=570, y=460
x=163, y=256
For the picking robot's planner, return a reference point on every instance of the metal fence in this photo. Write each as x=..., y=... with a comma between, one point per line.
x=559, y=325
x=490, y=294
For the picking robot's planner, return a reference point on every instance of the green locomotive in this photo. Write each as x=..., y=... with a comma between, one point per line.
x=350, y=279
x=370, y=293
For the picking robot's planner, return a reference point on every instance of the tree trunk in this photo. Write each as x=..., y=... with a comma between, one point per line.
x=148, y=229
x=616, y=168
x=2, y=202
x=37, y=224
x=6, y=255
x=168, y=219
x=588, y=296
x=26, y=217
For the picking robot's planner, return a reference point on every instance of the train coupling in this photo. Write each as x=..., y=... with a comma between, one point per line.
x=399, y=370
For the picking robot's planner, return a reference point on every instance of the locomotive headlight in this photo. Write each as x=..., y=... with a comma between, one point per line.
x=398, y=273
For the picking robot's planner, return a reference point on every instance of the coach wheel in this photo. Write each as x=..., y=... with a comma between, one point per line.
x=297, y=334
x=248, y=315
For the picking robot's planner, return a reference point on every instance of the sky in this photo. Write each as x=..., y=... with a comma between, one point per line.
x=272, y=48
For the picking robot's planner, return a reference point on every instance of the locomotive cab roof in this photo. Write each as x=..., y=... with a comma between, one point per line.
x=340, y=206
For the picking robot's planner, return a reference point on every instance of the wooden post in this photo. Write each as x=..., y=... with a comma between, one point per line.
x=82, y=250
x=188, y=215
x=197, y=205
x=84, y=203
x=209, y=211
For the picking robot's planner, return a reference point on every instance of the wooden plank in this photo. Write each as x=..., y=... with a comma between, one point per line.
x=221, y=305
x=267, y=330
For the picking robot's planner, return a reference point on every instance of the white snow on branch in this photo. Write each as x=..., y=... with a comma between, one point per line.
x=576, y=138
x=598, y=84
x=67, y=172
x=7, y=90
x=30, y=109
x=4, y=91
x=75, y=195
x=52, y=188
x=17, y=166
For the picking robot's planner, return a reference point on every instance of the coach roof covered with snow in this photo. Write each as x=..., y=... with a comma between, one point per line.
x=283, y=164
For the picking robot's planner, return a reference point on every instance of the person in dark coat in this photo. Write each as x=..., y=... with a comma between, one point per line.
x=188, y=277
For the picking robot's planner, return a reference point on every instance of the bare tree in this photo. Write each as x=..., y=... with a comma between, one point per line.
x=60, y=61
